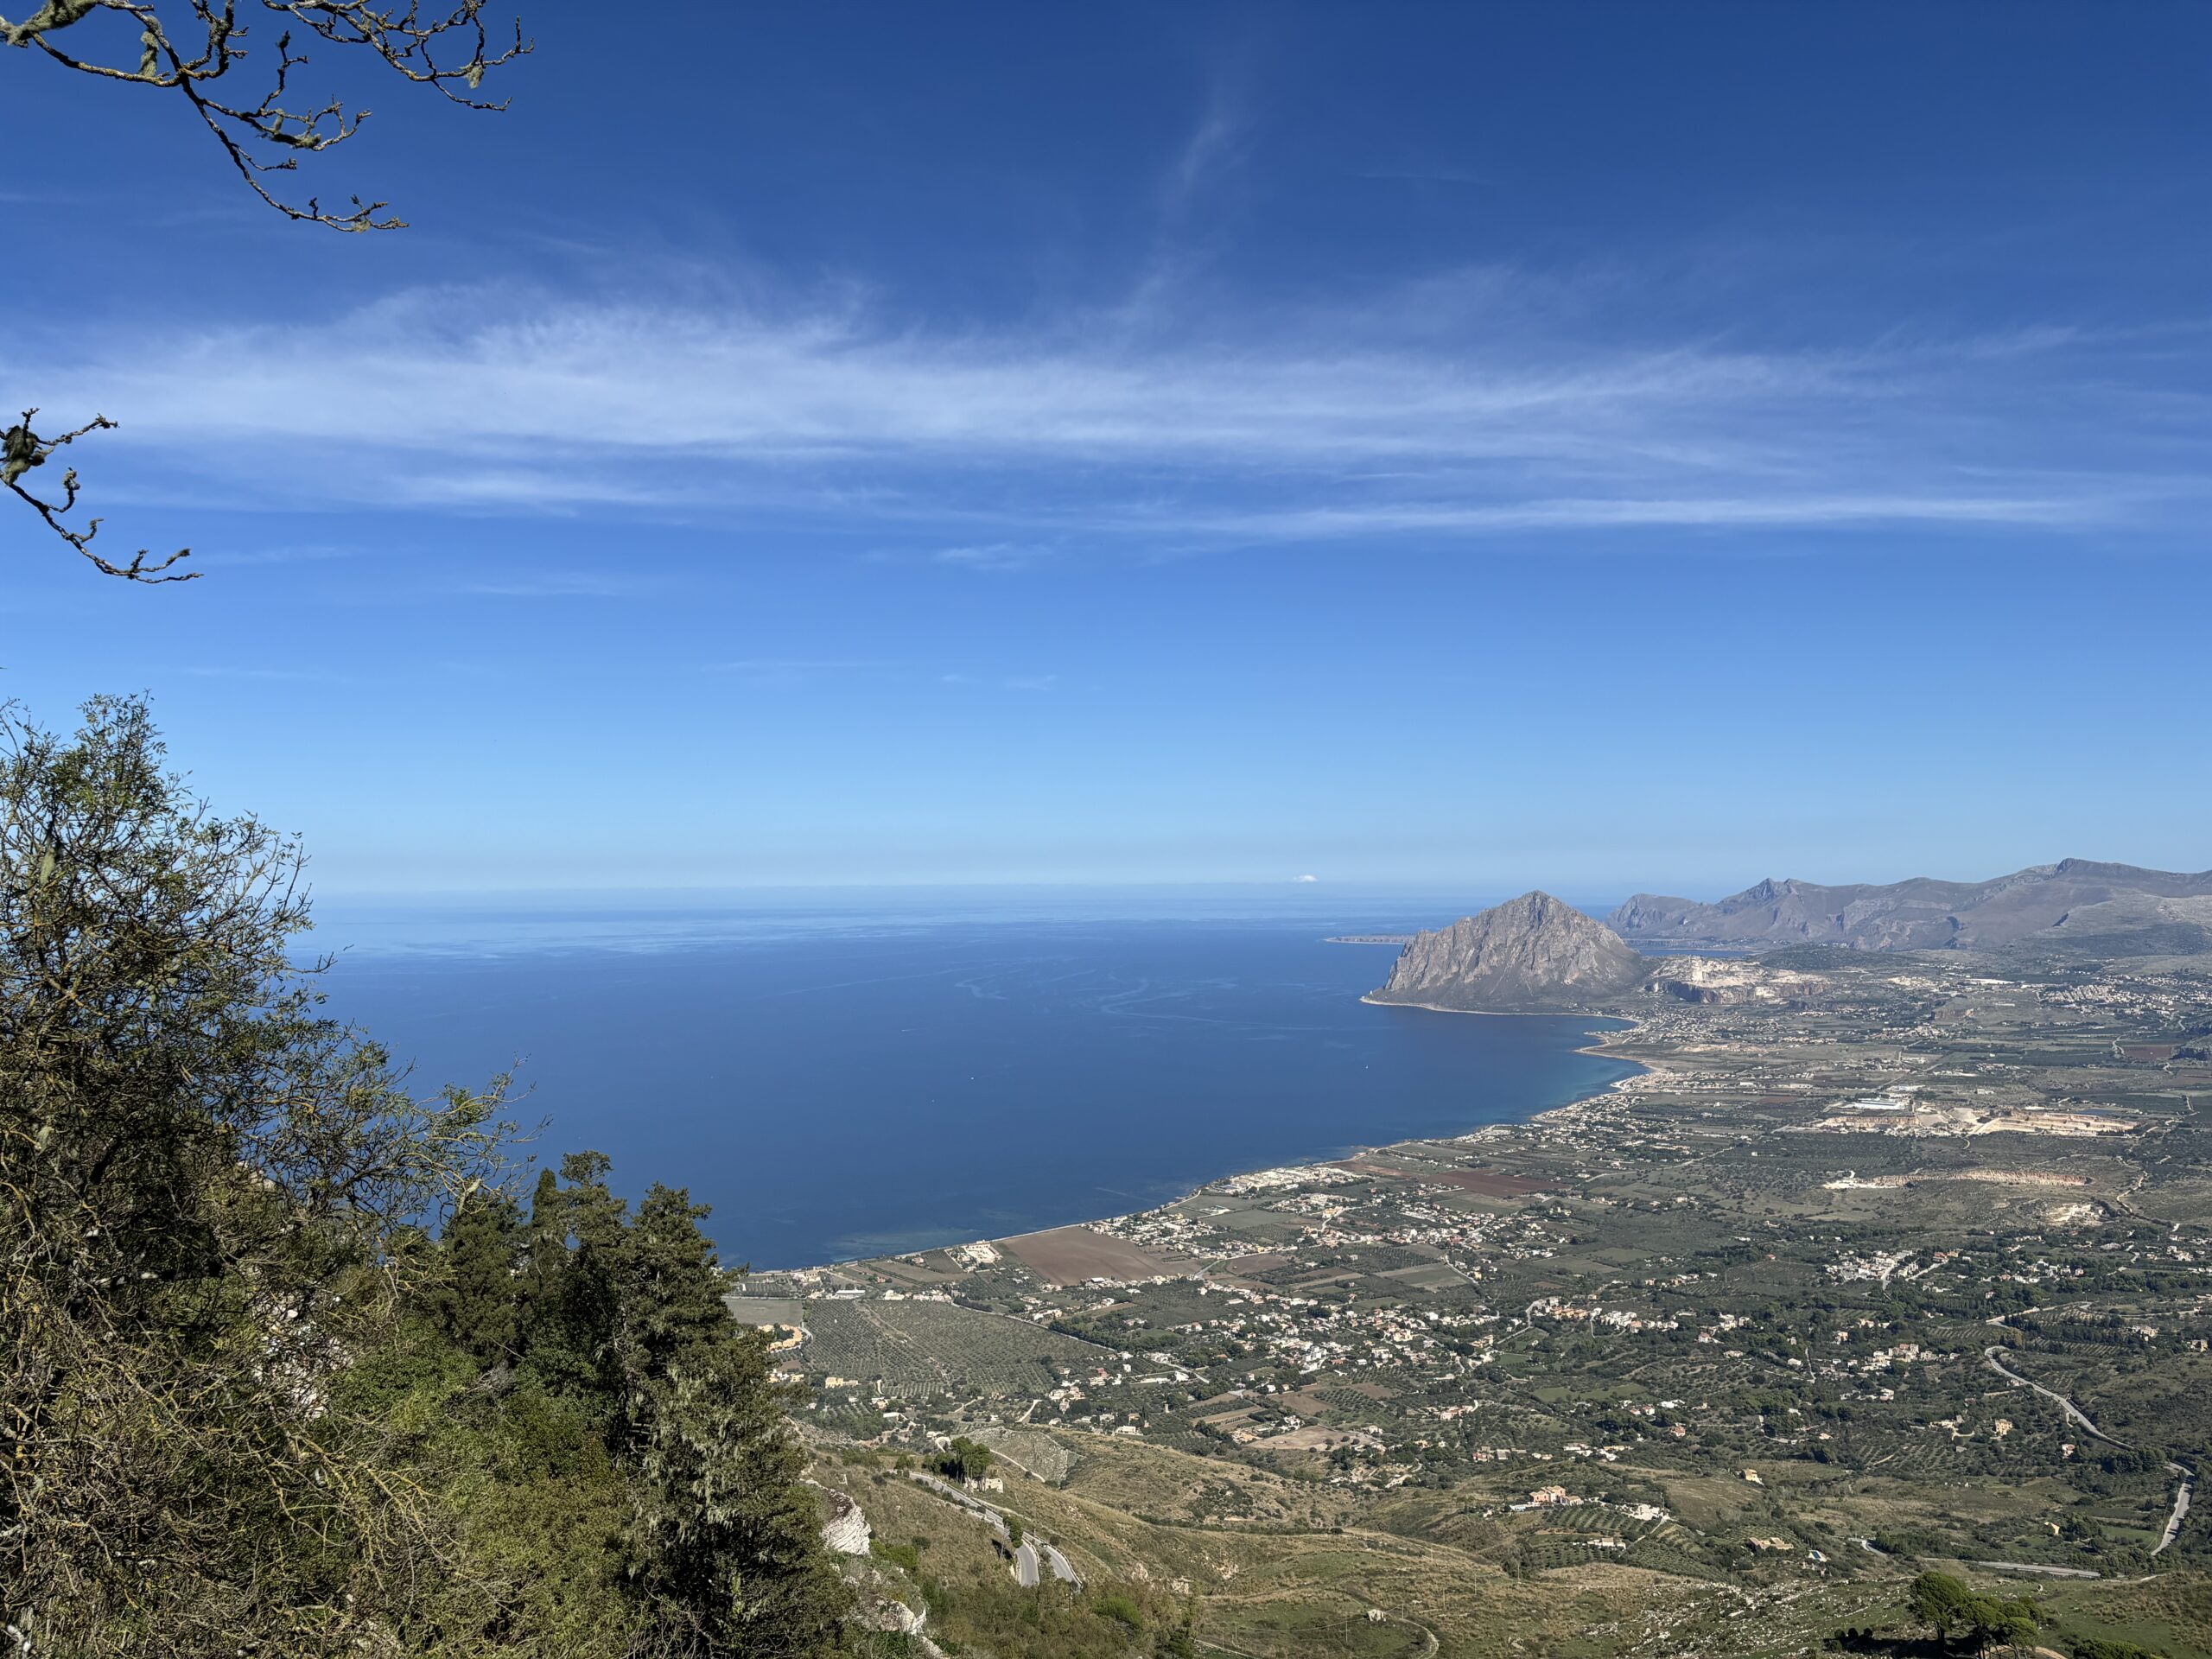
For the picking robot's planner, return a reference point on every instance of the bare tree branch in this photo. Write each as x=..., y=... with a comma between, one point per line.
x=450, y=50
x=446, y=48
x=22, y=449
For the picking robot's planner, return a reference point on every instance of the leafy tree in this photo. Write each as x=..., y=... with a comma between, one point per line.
x=964, y=1459
x=258, y=1399
x=1122, y=1609
x=1949, y=1604
x=672, y=1288
x=1179, y=1641
x=545, y=1252
x=624, y=1329
x=208, y=1200
x=727, y=1540
x=576, y=1246
x=475, y=1298
x=2010, y=1623
x=1940, y=1599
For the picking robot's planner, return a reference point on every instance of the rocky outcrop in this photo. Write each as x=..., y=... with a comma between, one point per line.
x=1530, y=954
x=846, y=1531
x=2078, y=903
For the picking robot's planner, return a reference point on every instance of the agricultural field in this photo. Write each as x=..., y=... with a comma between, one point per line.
x=1073, y=1255
x=921, y=1351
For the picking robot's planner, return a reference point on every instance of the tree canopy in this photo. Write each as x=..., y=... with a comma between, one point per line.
x=284, y=1367
x=1955, y=1608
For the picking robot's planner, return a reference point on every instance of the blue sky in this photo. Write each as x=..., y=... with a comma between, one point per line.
x=1602, y=447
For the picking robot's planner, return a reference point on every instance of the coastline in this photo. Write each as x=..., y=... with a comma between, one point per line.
x=1629, y=1024
x=1603, y=1040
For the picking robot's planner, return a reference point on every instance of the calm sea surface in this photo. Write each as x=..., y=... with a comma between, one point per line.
x=854, y=1075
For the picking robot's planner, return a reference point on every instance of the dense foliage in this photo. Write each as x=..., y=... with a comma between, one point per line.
x=964, y=1459
x=1956, y=1609
x=253, y=1405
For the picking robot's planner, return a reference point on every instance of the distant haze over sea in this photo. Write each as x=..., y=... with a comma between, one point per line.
x=843, y=1071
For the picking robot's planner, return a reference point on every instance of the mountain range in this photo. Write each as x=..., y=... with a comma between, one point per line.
x=2076, y=904
x=1538, y=952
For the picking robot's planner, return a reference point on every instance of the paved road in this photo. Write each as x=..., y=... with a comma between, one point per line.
x=945, y=1488
x=2033, y=1566
x=2073, y=1412
x=1026, y=1560
x=2076, y=1414
x=2181, y=1505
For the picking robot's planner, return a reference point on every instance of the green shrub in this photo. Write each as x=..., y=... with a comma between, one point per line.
x=1121, y=1609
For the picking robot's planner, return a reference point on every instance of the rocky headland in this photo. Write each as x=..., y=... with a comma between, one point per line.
x=1530, y=955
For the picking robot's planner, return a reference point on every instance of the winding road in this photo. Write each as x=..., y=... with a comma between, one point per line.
x=1061, y=1568
x=1029, y=1563
x=2074, y=1413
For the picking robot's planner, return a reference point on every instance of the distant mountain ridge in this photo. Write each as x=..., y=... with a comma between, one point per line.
x=2079, y=903
x=1531, y=952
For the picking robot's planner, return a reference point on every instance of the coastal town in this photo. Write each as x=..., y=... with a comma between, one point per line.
x=1877, y=1261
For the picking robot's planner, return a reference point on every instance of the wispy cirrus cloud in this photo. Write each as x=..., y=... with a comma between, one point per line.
x=1438, y=412
x=993, y=555
x=787, y=671
x=1215, y=147
x=1329, y=524
x=561, y=584
x=782, y=667
x=1003, y=681
x=276, y=676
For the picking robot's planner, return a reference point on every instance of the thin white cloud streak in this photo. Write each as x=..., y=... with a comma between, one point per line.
x=1322, y=523
x=806, y=665
x=1289, y=428
x=283, y=675
x=1215, y=148
x=1003, y=681
x=993, y=555
x=560, y=584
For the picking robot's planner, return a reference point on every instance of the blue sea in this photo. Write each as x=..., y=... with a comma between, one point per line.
x=850, y=1074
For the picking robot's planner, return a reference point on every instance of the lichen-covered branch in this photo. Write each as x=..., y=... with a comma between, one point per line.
x=263, y=119
x=200, y=50
x=23, y=449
